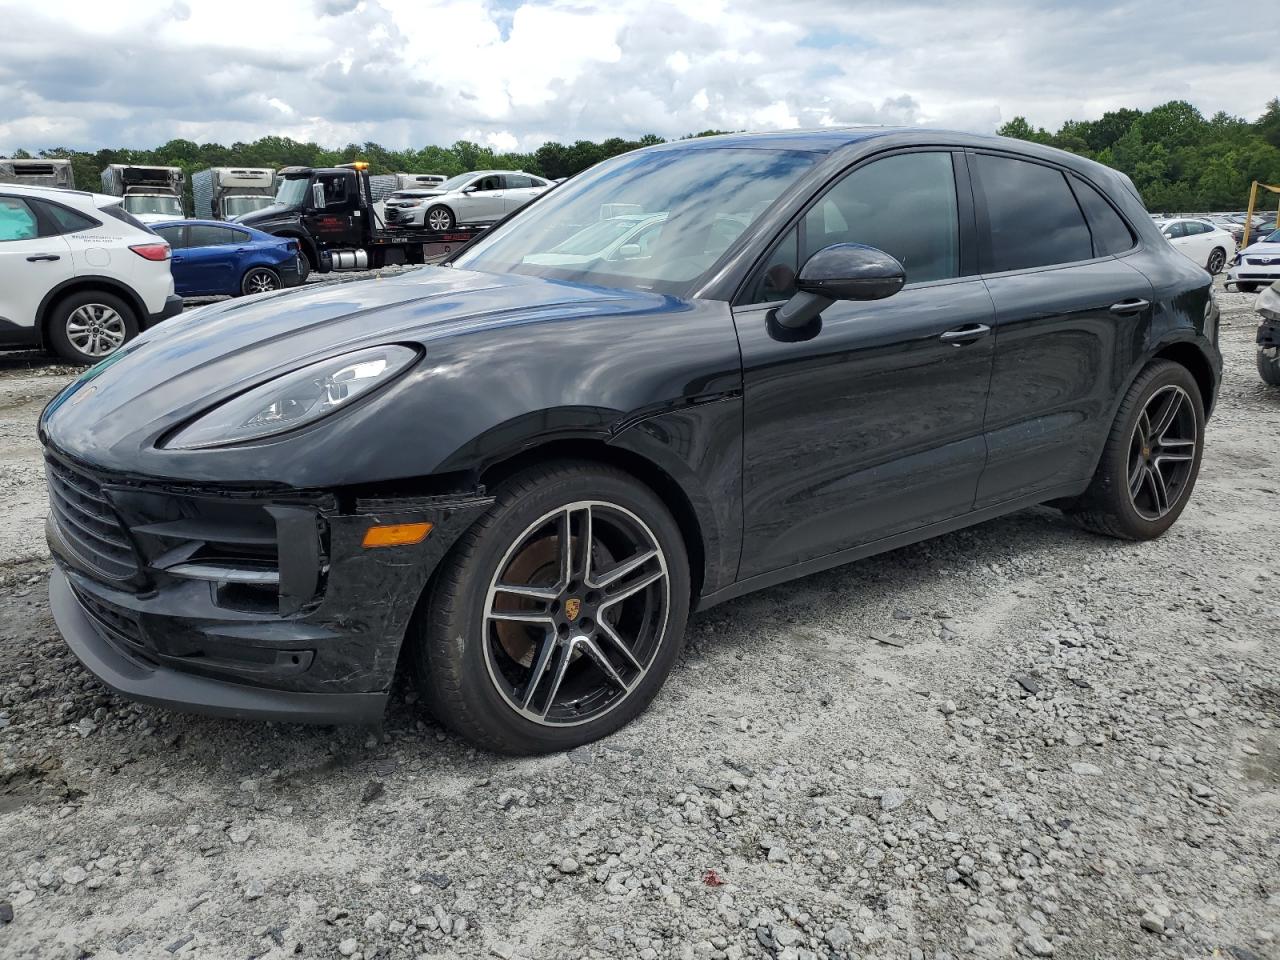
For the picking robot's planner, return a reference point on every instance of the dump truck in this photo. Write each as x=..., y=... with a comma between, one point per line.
x=149, y=193
x=38, y=173
x=224, y=193
x=334, y=215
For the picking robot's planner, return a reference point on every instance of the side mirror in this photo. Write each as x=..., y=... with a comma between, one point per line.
x=317, y=195
x=630, y=251
x=842, y=271
x=471, y=188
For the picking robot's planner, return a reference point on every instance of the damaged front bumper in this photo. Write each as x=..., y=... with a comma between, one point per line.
x=243, y=603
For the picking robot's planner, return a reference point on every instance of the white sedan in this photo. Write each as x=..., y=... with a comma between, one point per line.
x=1258, y=264
x=1200, y=242
x=479, y=197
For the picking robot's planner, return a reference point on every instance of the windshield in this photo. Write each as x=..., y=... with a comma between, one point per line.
x=708, y=196
x=238, y=206
x=292, y=191
x=141, y=203
x=596, y=237
x=458, y=182
x=1272, y=238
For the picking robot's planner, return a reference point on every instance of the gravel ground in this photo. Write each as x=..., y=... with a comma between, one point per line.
x=1016, y=740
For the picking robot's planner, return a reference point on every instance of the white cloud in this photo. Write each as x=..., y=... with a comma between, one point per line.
x=513, y=73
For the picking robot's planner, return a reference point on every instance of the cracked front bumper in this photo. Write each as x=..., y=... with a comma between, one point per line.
x=313, y=635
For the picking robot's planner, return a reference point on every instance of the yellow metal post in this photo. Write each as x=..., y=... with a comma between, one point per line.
x=1248, y=219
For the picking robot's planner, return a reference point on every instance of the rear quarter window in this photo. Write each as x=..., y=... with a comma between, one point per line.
x=1111, y=235
x=1032, y=216
x=65, y=220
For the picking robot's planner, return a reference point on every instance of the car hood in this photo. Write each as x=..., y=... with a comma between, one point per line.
x=115, y=414
x=273, y=212
x=1261, y=249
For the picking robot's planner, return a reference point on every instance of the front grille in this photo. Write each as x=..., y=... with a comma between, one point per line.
x=1263, y=261
x=87, y=522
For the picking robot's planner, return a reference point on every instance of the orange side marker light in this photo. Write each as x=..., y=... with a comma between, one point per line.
x=396, y=534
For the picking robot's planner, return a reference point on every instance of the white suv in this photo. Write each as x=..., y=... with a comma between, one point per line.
x=78, y=274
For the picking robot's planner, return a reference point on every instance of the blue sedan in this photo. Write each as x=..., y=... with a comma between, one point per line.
x=211, y=257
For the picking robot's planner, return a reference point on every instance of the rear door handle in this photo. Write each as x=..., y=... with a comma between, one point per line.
x=966, y=334
x=1130, y=306
x=43, y=256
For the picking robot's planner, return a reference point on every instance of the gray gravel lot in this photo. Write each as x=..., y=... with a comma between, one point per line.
x=1059, y=745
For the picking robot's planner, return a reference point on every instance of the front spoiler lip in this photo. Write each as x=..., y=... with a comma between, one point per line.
x=189, y=693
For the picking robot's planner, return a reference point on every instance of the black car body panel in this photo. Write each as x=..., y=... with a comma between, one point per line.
x=780, y=455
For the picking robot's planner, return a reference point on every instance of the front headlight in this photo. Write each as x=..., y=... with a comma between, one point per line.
x=1268, y=303
x=293, y=399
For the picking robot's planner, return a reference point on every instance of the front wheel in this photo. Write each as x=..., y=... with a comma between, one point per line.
x=439, y=219
x=1151, y=459
x=1216, y=261
x=259, y=280
x=558, y=615
x=1269, y=366
x=85, y=327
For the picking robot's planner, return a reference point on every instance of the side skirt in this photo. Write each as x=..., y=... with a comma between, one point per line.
x=886, y=544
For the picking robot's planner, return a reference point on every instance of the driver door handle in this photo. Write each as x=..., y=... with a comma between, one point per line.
x=43, y=256
x=969, y=333
x=1134, y=305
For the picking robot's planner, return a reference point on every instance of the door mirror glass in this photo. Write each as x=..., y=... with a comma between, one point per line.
x=630, y=251
x=317, y=195
x=851, y=271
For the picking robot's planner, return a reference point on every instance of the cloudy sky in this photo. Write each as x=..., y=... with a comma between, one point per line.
x=516, y=73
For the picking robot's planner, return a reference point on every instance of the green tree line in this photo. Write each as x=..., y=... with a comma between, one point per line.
x=1179, y=161
x=553, y=160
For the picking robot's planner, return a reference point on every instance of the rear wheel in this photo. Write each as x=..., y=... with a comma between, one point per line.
x=1216, y=260
x=259, y=280
x=1151, y=459
x=1269, y=366
x=439, y=219
x=558, y=615
x=85, y=327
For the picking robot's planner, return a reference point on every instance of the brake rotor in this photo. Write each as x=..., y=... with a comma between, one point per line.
x=538, y=563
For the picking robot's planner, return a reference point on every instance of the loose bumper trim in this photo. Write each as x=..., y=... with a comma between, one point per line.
x=194, y=694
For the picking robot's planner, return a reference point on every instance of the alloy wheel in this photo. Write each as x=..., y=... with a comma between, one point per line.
x=1162, y=452
x=1216, y=260
x=260, y=281
x=576, y=613
x=95, y=329
x=439, y=219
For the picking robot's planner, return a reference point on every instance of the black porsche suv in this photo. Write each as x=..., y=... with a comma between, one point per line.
x=690, y=372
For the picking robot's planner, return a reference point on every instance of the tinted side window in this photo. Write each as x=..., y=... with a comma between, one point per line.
x=17, y=220
x=239, y=236
x=1032, y=215
x=1111, y=235
x=200, y=235
x=489, y=183
x=64, y=220
x=515, y=181
x=905, y=205
x=1175, y=230
x=173, y=236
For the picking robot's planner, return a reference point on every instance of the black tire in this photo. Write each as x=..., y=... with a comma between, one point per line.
x=304, y=268
x=68, y=318
x=1247, y=287
x=455, y=644
x=1217, y=260
x=259, y=280
x=443, y=217
x=1269, y=368
x=1108, y=507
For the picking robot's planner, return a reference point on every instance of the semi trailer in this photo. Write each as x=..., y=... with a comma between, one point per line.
x=331, y=212
x=149, y=193
x=38, y=173
x=224, y=193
